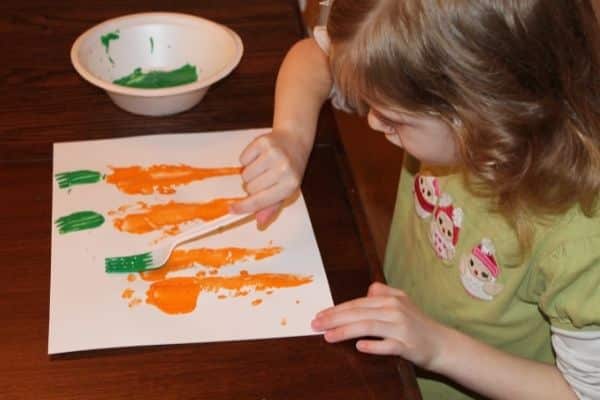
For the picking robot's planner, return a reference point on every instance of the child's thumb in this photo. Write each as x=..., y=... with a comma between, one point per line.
x=267, y=215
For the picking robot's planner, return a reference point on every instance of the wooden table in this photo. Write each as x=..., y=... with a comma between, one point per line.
x=43, y=100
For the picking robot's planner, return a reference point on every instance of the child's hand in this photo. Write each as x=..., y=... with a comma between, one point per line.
x=386, y=313
x=273, y=168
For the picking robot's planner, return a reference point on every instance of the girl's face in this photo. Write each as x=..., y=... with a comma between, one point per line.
x=427, y=138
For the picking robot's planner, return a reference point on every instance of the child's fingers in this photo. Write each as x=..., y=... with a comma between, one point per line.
x=267, y=180
x=252, y=151
x=265, y=216
x=380, y=347
x=258, y=166
x=259, y=201
x=363, y=302
x=359, y=329
x=351, y=316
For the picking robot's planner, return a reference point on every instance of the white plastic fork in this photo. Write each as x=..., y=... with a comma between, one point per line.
x=158, y=256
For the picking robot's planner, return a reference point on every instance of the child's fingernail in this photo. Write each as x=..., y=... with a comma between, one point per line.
x=262, y=222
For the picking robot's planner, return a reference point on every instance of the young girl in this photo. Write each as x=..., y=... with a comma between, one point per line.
x=493, y=259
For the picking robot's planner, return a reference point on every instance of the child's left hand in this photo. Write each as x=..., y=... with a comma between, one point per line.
x=389, y=314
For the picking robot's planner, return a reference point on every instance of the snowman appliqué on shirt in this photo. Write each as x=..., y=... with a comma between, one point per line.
x=445, y=227
x=426, y=192
x=479, y=271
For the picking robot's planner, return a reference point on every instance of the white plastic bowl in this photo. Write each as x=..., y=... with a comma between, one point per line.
x=156, y=41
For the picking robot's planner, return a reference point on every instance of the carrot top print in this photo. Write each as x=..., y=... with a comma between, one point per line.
x=69, y=179
x=79, y=221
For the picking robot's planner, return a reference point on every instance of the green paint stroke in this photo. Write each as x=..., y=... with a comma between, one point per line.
x=82, y=177
x=135, y=263
x=159, y=79
x=79, y=221
x=151, y=45
x=106, y=39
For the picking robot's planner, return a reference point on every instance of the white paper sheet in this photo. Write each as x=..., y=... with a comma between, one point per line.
x=87, y=310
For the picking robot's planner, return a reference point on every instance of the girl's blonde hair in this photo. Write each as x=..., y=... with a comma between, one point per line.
x=523, y=77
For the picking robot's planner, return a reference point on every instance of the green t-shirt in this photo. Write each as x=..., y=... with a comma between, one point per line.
x=460, y=264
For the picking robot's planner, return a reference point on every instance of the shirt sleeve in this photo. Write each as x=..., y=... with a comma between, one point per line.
x=578, y=359
x=569, y=295
x=337, y=99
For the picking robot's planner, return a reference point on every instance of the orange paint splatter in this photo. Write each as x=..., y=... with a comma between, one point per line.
x=213, y=258
x=126, y=207
x=170, y=215
x=127, y=293
x=135, y=302
x=179, y=295
x=283, y=322
x=131, y=277
x=162, y=178
x=257, y=302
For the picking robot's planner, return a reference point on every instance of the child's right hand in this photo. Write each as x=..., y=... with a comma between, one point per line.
x=273, y=165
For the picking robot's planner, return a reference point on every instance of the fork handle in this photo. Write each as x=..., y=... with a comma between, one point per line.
x=208, y=227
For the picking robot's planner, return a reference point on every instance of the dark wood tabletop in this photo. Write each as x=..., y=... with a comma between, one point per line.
x=43, y=100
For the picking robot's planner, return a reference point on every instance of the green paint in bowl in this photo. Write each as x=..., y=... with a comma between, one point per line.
x=159, y=79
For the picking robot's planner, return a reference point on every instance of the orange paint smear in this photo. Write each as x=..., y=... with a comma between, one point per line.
x=127, y=293
x=170, y=215
x=256, y=302
x=179, y=295
x=212, y=258
x=131, y=277
x=174, y=295
x=162, y=178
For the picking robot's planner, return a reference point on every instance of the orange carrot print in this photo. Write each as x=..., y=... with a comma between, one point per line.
x=179, y=295
x=207, y=257
x=162, y=178
x=170, y=215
